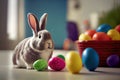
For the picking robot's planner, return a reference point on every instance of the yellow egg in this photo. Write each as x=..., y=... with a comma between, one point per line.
x=114, y=34
x=73, y=62
x=84, y=37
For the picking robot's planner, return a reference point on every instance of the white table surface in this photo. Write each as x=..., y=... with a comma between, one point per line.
x=7, y=72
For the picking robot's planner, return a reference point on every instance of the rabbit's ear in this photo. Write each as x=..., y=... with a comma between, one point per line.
x=43, y=21
x=33, y=22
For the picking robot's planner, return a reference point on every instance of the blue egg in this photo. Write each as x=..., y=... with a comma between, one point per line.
x=104, y=28
x=90, y=59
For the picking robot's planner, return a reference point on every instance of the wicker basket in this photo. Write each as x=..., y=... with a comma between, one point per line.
x=104, y=49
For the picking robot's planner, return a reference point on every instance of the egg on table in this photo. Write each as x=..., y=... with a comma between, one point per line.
x=40, y=64
x=73, y=62
x=56, y=63
x=113, y=60
x=61, y=56
x=90, y=59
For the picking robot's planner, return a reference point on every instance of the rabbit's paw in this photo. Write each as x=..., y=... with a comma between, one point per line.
x=29, y=67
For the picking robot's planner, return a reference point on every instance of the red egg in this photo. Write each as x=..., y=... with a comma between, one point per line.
x=56, y=63
x=118, y=28
x=101, y=36
x=90, y=32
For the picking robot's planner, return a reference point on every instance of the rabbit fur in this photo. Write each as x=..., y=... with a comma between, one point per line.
x=39, y=46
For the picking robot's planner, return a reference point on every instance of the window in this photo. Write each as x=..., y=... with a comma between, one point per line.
x=12, y=21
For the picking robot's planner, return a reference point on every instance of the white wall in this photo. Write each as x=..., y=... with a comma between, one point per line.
x=89, y=9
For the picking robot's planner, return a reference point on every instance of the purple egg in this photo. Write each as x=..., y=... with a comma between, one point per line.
x=113, y=60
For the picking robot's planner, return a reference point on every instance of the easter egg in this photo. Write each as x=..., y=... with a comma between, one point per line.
x=84, y=37
x=113, y=60
x=61, y=56
x=114, y=34
x=90, y=59
x=90, y=32
x=73, y=62
x=56, y=63
x=103, y=28
x=101, y=36
x=118, y=28
x=40, y=65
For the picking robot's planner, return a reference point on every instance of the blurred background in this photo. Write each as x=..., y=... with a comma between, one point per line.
x=66, y=19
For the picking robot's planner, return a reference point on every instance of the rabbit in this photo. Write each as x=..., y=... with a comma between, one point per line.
x=39, y=46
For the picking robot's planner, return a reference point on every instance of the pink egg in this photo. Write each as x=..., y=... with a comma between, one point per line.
x=56, y=63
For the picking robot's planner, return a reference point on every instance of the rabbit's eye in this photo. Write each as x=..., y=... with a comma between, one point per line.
x=39, y=36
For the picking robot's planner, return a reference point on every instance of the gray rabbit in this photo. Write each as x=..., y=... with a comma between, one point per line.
x=39, y=46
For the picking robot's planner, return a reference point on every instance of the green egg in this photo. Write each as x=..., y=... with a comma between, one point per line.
x=61, y=56
x=40, y=65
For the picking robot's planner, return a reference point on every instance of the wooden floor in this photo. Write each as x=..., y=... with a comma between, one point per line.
x=7, y=72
